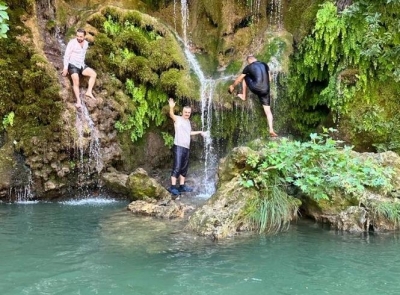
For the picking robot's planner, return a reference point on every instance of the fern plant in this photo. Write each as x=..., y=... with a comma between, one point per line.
x=343, y=54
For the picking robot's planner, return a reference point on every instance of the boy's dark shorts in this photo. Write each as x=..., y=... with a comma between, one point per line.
x=264, y=98
x=75, y=70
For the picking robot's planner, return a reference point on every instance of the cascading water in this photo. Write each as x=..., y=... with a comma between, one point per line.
x=206, y=92
x=87, y=142
x=275, y=68
x=275, y=12
x=23, y=194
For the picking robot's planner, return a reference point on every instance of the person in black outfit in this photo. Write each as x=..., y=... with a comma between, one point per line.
x=257, y=78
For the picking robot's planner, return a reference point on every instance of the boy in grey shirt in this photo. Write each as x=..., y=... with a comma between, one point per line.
x=183, y=131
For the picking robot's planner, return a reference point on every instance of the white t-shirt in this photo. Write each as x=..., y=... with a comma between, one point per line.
x=75, y=53
x=182, y=132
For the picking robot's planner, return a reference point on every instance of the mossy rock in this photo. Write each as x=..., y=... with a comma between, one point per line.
x=143, y=187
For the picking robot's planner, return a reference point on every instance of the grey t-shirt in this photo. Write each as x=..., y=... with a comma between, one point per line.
x=182, y=132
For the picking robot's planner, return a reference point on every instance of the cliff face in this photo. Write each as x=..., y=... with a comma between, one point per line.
x=140, y=63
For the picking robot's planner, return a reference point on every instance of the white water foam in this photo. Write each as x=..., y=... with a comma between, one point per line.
x=96, y=201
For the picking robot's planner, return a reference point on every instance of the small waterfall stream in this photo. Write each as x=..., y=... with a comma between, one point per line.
x=87, y=143
x=207, y=87
x=275, y=12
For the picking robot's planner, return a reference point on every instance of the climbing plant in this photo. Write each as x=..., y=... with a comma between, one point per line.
x=147, y=106
x=3, y=18
x=342, y=55
x=144, y=56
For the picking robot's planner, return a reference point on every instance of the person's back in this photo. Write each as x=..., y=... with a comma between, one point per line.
x=257, y=77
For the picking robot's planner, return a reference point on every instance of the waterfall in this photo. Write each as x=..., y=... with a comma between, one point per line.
x=88, y=142
x=275, y=12
x=185, y=19
x=275, y=68
x=207, y=86
x=23, y=193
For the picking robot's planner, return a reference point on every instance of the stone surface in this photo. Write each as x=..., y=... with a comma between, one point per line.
x=141, y=186
x=166, y=208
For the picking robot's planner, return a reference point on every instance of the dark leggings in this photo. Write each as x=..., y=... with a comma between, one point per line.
x=181, y=161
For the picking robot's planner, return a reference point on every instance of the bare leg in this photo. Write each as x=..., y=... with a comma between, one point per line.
x=181, y=180
x=173, y=180
x=75, y=87
x=92, y=79
x=243, y=95
x=270, y=118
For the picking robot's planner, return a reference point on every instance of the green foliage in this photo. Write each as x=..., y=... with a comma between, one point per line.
x=3, y=18
x=271, y=209
x=318, y=167
x=8, y=120
x=111, y=27
x=147, y=109
x=144, y=56
x=340, y=58
x=387, y=210
x=168, y=139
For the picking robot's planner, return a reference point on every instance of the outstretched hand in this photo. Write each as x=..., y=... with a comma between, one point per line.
x=171, y=103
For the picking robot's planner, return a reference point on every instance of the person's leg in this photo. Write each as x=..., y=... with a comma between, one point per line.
x=184, y=170
x=176, y=169
x=92, y=79
x=75, y=87
x=270, y=118
x=173, y=180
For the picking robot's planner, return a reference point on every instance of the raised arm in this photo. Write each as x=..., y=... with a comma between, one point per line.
x=171, y=109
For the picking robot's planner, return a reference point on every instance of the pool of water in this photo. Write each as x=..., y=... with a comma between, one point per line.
x=95, y=246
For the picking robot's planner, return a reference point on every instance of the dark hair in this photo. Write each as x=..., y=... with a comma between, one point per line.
x=81, y=31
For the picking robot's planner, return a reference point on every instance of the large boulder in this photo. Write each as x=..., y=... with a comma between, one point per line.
x=219, y=217
x=142, y=187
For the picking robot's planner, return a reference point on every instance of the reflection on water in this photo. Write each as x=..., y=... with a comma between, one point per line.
x=99, y=247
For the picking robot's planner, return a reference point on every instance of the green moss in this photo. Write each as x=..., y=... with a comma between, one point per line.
x=299, y=17
x=28, y=85
x=233, y=67
x=372, y=120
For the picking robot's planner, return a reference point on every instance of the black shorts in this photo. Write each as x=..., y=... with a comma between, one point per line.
x=264, y=98
x=75, y=70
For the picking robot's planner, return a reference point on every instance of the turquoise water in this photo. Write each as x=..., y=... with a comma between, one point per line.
x=97, y=247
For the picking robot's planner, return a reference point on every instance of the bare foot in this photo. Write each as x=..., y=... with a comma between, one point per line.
x=240, y=95
x=78, y=105
x=273, y=134
x=90, y=95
